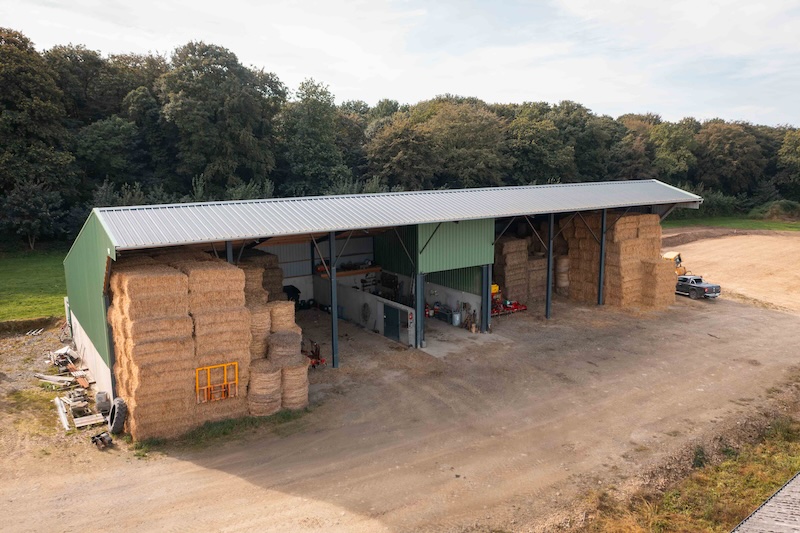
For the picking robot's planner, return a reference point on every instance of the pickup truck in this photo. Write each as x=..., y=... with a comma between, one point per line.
x=694, y=287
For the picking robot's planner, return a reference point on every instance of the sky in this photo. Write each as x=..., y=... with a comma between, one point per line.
x=735, y=59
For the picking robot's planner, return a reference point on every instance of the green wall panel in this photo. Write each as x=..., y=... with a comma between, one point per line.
x=455, y=245
x=85, y=272
x=461, y=279
x=389, y=252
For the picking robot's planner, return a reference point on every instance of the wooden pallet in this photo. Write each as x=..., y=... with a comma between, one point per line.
x=91, y=420
x=79, y=375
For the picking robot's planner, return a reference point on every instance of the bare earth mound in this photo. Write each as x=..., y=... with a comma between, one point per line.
x=756, y=267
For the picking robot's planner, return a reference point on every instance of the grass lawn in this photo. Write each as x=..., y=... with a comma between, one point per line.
x=713, y=498
x=32, y=283
x=735, y=223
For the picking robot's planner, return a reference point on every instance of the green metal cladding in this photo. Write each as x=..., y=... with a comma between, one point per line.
x=455, y=245
x=461, y=279
x=85, y=272
x=389, y=252
x=451, y=258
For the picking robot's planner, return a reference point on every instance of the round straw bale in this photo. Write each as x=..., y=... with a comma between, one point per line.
x=288, y=359
x=265, y=380
x=265, y=407
x=295, y=387
x=284, y=343
x=282, y=315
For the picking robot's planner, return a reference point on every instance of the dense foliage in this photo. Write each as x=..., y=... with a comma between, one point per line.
x=78, y=130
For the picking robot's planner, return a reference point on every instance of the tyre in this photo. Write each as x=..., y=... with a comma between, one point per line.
x=693, y=294
x=116, y=416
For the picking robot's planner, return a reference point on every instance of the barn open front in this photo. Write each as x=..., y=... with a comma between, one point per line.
x=192, y=307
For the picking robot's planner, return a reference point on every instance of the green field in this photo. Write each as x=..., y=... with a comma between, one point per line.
x=32, y=284
x=734, y=223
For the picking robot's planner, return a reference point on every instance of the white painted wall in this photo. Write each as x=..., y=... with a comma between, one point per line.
x=90, y=357
x=444, y=295
x=352, y=301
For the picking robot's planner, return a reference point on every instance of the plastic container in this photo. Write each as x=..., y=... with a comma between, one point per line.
x=456, y=318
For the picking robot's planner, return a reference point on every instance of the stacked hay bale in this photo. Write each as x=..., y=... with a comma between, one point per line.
x=631, y=278
x=154, y=351
x=272, y=275
x=279, y=370
x=221, y=331
x=264, y=395
x=285, y=344
x=659, y=290
x=260, y=328
x=254, y=292
x=510, y=269
x=537, y=279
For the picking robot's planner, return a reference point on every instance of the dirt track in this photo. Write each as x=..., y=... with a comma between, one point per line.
x=497, y=435
x=763, y=268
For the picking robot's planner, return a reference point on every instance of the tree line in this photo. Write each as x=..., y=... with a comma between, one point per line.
x=79, y=130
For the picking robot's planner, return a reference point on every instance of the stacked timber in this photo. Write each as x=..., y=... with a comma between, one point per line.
x=153, y=346
x=633, y=274
x=510, y=269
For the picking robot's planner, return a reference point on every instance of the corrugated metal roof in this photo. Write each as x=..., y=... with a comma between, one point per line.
x=175, y=224
x=779, y=513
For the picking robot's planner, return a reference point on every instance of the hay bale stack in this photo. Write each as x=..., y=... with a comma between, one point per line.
x=260, y=327
x=223, y=337
x=632, y=243
x=264, y=392
x=537, y=280
x=154, y=350
x=294, y=385
x=149, y=290
x=234, y=406
x=254, y=293
x=281, y=315
x=273, y=283
x=175, y=255
x=272, y=277
x=284, y=347
x=259, y=258
x=511, y=268
x=659, y=291
x=213, y=285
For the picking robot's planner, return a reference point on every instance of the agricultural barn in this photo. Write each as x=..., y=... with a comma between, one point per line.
x=187, y=311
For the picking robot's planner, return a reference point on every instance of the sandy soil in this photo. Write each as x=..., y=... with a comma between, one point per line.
x=762, y=268
x=498, y=432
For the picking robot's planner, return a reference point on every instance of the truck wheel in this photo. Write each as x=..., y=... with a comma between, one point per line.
x=116, y=416
x=693, y=294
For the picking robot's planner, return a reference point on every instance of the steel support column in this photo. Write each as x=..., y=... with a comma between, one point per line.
x=334, y=305
x=548, y=306
x=419, y=309
x=486, y=297
x=601, y=277
x=229, y=251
